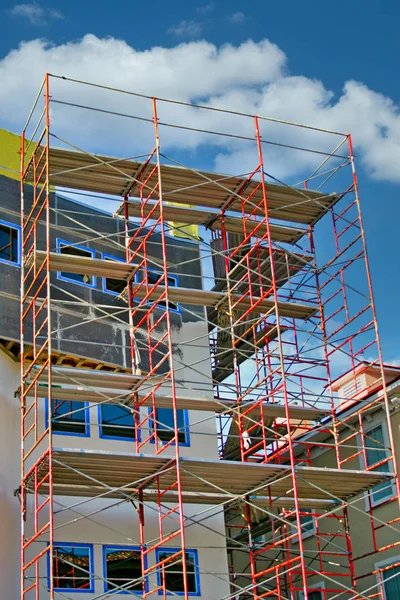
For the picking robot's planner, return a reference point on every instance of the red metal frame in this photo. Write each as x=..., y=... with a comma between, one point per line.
x=294, y=362
x=36, y=458
x=137, y=248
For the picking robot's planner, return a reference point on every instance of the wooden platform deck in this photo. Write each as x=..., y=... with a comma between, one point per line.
x=114, y=176
x=213, y=220
x=87, y=473
x=88, y=385
x=119, y=270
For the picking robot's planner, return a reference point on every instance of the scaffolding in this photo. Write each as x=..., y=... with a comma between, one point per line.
x=288, y=307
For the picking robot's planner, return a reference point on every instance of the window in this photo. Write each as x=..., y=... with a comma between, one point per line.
x=376, y=451
x=316, y=594
x=391, y=582
x=259, y=540
x=154, y=276
x=116, y=422
x=122, y=569
x=70, y=417
x=313, y=595
x=307, y=525
x=172, y=572
x=165, y=425
x=10, y=243
x=73, y=567
x=70, y=248
x=113, y=286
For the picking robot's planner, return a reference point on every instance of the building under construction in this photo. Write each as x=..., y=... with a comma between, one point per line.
x=227, y=437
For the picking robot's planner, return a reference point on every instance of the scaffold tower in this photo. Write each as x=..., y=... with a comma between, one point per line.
x=285, y=305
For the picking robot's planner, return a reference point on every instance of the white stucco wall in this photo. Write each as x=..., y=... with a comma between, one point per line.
x=9, y=479
x=107, y=521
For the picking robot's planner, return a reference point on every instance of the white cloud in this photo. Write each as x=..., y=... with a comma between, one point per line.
x=237, y=17
x=35, y=14
x=205, y=9
x=186, y=29
x=54, y=13
x=251, y=78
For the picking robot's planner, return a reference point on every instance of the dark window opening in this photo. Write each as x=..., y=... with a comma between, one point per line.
x=123, y=569
x=115, y=286
x=116, y=421
x=9, y=244
x=153, y=277
x=316, y=595
x=72, y=568
x=165, y=425
x=68, y=416
x=172, y=573
x=75, y=251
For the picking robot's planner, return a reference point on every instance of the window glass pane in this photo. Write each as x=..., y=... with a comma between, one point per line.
x=259, y=540
x=165, y=425
x=114, y=285
x=375, y=452
x=72, y=250
x=116, y=421
x=173, y=572
x=123, y=569
x=8, y=243
x=381, y=492
x=391, y=582
x=307, y=523
x=71, y=567
x=375, y=446
x=68, y=416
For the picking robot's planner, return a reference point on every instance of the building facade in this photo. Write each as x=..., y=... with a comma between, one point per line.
x=100, y=537
x=133, y=341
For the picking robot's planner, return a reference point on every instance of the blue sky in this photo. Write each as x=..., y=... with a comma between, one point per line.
x=327, y=43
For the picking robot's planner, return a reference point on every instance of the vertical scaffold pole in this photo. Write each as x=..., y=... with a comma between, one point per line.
x=378, y=343
x=282, y=362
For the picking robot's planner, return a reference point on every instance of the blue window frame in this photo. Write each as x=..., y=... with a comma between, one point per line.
x=73, y=567
x=122, y=568
x=68, y=417
x=376, y=451
x=153, y=276
x=116, y=422
x=10, y=243
x=173, y=572
x=64, y=247
x=165, y=425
